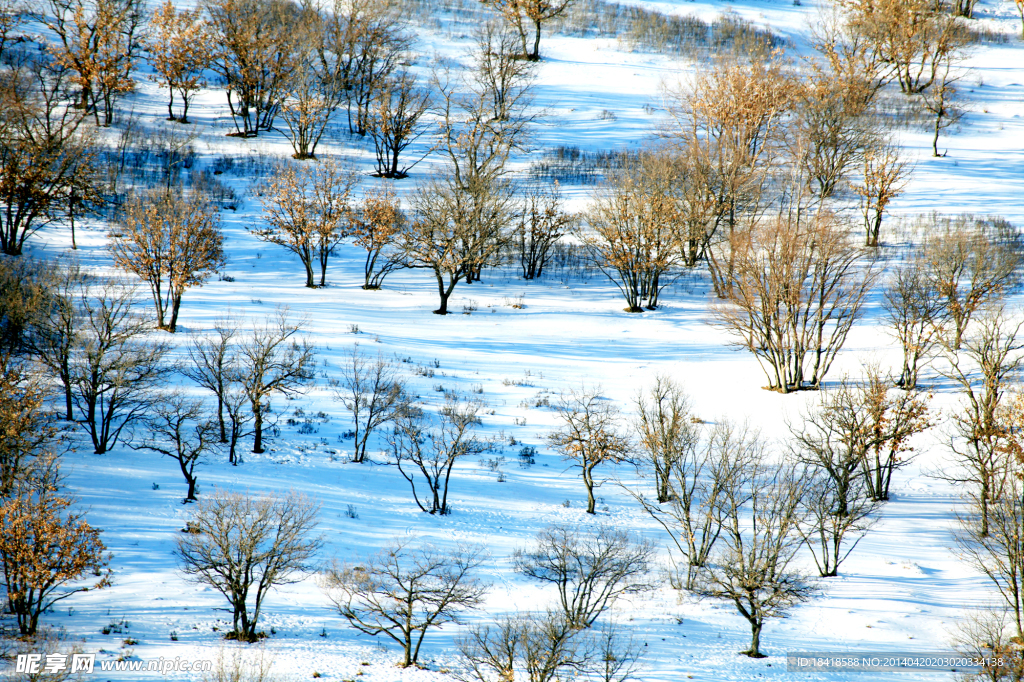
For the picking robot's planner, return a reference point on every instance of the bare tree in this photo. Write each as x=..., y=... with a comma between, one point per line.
x=860, y=430
x=377, y=228
x=459, y=229
x=238, y=409
x=831, y=536
x=942, y=99
x=980, y=435
x=542, y=222
x=45, y=549
x=180, y=48
x=884, y=177
x=113, y=369
x=372, y=390
x=590, y=436
x=246, y=545
x=395, y=121
x=697, y=479
x=833, y=125
x=761, y=509
x=667, y=430
x=972, y=263
x=273, y=360
x=313, y=92
x=632, y=232
x=172, y=242
x=213, y=365
x=464, y=215
x=402, y=591
x=915, y=314
x=307, y=211
x=547, y=648
x=491, y=651
x=499, y=70
x=590, y=570
x=178, y=428
x=798, y=286
x=523, y=13
x=420, y=451
x=45, y=155
x=57, y=328
x=992, y=544
x=985, y=635
x=364, y=43
x=256, y=43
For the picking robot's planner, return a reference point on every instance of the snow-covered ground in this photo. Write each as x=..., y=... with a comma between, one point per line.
x=903, y=587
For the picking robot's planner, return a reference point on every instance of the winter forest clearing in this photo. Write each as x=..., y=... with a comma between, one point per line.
x=506, y=340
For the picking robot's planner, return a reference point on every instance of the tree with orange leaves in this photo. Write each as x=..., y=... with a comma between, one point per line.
x=632, y=236
x=173, y=242
x=376, y=228
x=307, y=211
x=590, y=435
x=44, y=547
x=180, y=48
x=98, y=42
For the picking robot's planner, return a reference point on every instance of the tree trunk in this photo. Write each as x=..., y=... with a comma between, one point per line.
x=444, y=292
x=755, y=640
x=536, y=42
x=257, y=430
x=175, y=305
x=588, y=481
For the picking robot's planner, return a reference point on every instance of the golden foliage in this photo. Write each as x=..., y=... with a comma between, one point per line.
x=43, y=547
x=173, y=242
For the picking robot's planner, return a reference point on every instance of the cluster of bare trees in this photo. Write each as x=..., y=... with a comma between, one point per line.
x=738, y=516
x=409, y=588
x=753, y=161
x=303, y=64
x=963, y=269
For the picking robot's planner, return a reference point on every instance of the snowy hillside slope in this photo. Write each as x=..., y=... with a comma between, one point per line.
x=903, y=588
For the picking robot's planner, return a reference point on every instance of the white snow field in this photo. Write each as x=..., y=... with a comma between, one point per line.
x=902, y=589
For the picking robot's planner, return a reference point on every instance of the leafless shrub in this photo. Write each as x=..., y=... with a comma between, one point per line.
x=590, y=570
x=372, y=390
x=429, y=454
x=794, y=330
x=245, y=546
x=404, y=591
